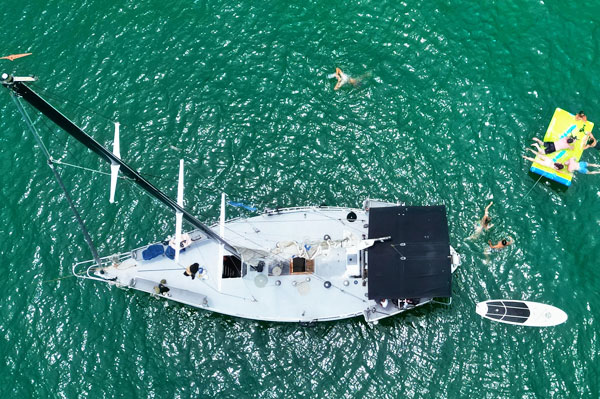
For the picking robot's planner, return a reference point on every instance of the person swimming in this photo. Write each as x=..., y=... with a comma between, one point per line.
x=342, y=79
x=582, y=167
x=591, y=141
x=13, y=57
x=483, y=224
x=501, y=244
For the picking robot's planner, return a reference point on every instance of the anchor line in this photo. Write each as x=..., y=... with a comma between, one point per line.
x=535, y=184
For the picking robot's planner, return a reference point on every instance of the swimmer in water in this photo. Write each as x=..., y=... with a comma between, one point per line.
x=581, y=116
x=496, y=247
x=591, y=141
x=14, y=56
x=483, y=224
x=582, y=167
x=501, y=244
x=342, y=79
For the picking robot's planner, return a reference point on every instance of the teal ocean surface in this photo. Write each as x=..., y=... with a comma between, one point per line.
x=451, y=94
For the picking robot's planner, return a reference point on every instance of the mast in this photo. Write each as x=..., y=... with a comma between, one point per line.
x=17, y=86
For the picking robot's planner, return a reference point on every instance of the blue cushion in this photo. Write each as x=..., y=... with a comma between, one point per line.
x=170, y=252
x=153, y=251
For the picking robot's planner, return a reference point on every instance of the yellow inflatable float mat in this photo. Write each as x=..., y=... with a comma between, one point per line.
x=563, y=124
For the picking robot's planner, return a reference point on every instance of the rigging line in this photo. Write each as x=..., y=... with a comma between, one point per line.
x=61, y=163
x=29, y=123
x=302, y=220
x=60, y=98
x=136, y=190
x=69, y=152
x=253, y=299
x=395, y=249
x=538, y=180
x=161, y=270
x=259, y=245
x=343, y=291
x=57, y=279
x=357, y=229
x=145, y=193
x=137, y=196
x=51, y=133
x=31, y=127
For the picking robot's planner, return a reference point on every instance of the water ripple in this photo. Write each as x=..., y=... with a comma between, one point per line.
x=449, y=97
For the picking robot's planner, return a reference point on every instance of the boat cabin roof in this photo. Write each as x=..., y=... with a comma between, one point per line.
x=415, y=262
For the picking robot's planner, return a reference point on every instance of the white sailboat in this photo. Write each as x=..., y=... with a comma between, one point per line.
x=302, y=264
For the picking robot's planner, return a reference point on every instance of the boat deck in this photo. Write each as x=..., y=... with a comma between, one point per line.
x=334, y=290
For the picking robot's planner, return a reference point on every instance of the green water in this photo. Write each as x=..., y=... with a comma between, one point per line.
x=451, y=94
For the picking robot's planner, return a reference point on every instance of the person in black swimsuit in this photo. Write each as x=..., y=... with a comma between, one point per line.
x=191, y=270
x=162, y=289
x=553, y=146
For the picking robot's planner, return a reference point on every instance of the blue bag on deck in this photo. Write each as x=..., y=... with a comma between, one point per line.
x=170, y=252
x=153, y=251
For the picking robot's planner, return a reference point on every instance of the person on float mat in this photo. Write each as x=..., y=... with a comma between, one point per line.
x=545, y=161
x=553, y=146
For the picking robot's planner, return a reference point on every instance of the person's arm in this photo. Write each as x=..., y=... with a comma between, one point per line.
x=510, y=241
x=488, y=207
x=339, y=80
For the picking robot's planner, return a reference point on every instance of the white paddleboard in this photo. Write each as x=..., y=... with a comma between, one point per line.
x=522, y=313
